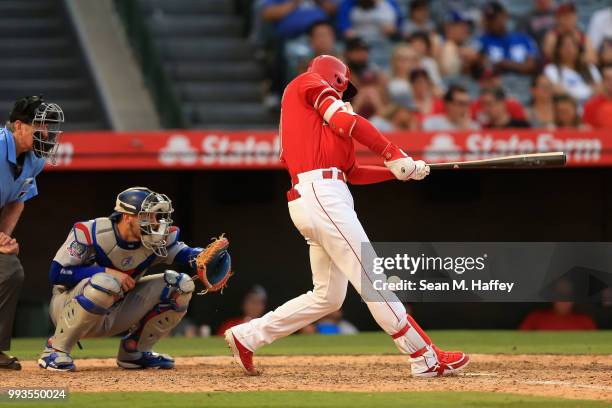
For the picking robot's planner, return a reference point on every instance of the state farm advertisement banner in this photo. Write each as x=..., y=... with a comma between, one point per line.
x=181, y=149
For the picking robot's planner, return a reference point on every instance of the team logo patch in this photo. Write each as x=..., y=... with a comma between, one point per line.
x=25, y=187
x=76, y=249
x=125, y=262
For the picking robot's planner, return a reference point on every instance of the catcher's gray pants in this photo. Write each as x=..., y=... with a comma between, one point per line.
x=11, y=279
x=123, y=314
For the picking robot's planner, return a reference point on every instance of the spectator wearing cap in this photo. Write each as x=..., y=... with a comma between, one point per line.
x=569, y=72
x=567, y=23
x=367, y=77
x=421, y=44
x=455, y=55
x=253, y=306
x=539, y=20
x=506, y=52
x=600, y=26
x=457, y=112
x=566, y=112
x=540, y=112
x=29, y=137
x=424, y=99
x=598, y=110
x=493, y=102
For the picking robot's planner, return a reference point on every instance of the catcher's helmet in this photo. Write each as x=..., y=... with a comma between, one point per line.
x=154, y=213
x=336, y=73
x=45, y=118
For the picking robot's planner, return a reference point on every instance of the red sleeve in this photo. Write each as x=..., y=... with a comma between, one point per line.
x=314, y=90
x=366, y=134
x=368, y=174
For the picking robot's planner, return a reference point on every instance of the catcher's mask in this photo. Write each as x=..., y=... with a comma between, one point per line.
x=154, y=211
x=46, y=120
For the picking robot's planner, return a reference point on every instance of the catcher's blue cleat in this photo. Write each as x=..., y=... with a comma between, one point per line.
x=56, y=361
x=148, y=359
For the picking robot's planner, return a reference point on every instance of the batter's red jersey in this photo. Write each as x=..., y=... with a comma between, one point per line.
x=307, y=142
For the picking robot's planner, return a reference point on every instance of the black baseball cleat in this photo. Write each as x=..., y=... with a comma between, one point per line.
x=9, y=362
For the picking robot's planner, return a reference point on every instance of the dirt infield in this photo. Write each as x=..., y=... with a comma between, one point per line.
x=579, y=377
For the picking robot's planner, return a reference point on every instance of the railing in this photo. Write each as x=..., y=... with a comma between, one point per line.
x=156, y=79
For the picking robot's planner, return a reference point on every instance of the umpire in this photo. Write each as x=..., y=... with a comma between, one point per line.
x=29, y=139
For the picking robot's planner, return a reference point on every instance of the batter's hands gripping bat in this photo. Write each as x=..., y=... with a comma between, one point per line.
x=553, y=159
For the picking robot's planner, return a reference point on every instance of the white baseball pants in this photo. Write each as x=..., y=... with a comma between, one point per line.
x=325, y=216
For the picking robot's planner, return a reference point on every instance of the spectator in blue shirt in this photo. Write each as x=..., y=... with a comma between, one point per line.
x=293, y=18
x=30, y=137
x=506, y=52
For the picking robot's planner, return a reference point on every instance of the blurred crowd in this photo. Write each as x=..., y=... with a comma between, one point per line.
x=451, y=65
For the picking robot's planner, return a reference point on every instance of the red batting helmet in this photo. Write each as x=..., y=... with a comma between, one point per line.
x=336, y=73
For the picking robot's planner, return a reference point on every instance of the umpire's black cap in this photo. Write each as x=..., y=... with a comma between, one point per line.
x=25, y=109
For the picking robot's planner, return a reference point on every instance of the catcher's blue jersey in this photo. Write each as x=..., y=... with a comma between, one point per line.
x=94, y=245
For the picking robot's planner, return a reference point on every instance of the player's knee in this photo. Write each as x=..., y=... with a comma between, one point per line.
x=100, y=293
x=178, y=291
x=331, y=300
x=335, y=303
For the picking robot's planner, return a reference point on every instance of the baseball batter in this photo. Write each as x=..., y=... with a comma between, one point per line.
x=318, y=130
x=98, y=289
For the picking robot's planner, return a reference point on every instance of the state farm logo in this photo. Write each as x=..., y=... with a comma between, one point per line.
x=443, y=147
x=178, y=150
x=220, y=150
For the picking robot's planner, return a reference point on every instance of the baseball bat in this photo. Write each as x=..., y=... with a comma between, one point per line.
x=518, y=161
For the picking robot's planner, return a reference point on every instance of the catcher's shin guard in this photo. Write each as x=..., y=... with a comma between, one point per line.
x=160, y=321
x=85, y=311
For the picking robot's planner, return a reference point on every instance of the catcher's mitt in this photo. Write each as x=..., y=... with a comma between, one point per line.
x=214, y=265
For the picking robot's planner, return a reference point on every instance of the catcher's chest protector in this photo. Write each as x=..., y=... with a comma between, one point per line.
x=111, y=252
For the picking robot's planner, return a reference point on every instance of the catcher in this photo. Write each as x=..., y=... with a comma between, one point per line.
x=99, y=289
